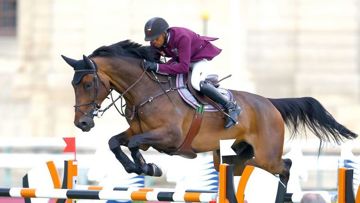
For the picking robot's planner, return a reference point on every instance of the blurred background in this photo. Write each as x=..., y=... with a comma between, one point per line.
x=275, y=48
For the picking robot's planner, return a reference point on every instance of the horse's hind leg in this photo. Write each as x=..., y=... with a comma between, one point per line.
x=285, y=175
x=216, y=159
x=243, y=153
x=268, y=150
x=282, y=168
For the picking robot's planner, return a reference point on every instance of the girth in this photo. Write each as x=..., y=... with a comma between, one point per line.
x=185, y=148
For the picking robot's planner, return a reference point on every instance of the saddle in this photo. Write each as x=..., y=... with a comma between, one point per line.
x=194, y=98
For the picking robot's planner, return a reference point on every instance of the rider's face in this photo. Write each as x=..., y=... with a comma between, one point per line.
x=159, y=41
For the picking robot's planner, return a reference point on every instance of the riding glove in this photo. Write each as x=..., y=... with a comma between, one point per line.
x=151, y=66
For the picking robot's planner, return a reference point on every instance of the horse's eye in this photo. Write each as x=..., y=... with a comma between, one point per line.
x=88, y=85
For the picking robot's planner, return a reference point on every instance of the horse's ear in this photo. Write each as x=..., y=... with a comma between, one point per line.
x=71, y=62
x=88, y=62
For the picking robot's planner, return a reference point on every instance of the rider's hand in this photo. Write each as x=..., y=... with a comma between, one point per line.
x=151, y=66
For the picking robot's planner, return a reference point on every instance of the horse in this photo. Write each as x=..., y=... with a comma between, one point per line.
x=159, y=118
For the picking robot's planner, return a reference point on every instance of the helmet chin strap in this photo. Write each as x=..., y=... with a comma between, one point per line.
x=167, y=38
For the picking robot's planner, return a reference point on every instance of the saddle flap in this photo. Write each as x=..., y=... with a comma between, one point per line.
x=194, y=98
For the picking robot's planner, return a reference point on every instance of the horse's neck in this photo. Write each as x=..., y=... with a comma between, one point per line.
x=131, y=80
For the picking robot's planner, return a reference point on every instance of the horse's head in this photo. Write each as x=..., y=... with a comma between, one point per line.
x=90, y=87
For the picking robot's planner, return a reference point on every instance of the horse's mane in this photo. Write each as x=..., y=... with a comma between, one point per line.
x=128, y=48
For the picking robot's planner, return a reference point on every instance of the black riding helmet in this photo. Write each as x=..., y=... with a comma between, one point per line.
x=154, y=27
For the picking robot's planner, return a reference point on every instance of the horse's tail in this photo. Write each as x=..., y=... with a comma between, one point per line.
x=307, y=111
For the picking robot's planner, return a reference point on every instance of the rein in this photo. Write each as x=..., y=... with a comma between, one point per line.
x=121, y=96
x=121, y=110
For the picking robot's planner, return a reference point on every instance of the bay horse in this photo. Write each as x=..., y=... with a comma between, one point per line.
x=159, y=118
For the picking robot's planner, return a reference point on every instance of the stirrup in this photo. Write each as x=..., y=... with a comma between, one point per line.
x=229, y=122
x=233, y=111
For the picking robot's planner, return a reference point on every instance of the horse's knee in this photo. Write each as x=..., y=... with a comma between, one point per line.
x=133, y=144
x=216, y=159
x=113, y=143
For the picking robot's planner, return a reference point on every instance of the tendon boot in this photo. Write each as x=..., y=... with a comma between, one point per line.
x=231, y=108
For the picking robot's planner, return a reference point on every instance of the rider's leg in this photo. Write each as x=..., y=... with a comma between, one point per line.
x=199, y=72
x=231, y=107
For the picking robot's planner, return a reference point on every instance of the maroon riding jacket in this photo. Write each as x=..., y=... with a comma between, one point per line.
x=185, y=47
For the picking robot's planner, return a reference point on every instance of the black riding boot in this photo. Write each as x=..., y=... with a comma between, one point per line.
x=231, y=108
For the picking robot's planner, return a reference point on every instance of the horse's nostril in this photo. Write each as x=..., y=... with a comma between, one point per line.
x=84, y=124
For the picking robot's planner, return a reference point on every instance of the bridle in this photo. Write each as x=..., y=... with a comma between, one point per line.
x=96, y=108
x=96, y=80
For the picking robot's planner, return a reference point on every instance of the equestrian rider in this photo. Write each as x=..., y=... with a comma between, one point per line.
x=186, y=48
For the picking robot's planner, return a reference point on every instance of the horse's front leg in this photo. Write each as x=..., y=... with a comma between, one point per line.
x=162, y=138
x=115, y=143
x=148, y=169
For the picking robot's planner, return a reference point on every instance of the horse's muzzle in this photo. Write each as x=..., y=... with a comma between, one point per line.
x=85, y=123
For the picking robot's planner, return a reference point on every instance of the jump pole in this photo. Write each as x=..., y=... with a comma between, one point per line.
x=226, y=192
x=108, y=195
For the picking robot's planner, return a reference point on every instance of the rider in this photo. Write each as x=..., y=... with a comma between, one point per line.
x=186, y=48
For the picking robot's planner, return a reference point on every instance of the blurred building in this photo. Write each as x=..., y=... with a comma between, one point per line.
x=276, y=48
x=307, y=48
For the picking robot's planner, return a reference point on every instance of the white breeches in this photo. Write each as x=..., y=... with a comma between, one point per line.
x=200, y=70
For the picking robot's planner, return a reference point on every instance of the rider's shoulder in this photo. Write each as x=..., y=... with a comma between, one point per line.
x=180, y=31
x=178, y=34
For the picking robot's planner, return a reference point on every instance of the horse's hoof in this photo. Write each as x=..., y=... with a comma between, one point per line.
x=152, y=170
x=157, y=170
